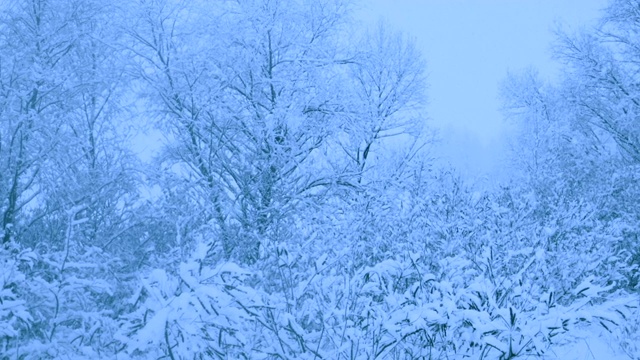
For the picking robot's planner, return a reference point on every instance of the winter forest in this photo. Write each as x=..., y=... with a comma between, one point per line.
x=291, y=207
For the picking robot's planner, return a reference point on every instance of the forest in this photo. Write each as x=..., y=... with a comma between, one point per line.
x=289, y=207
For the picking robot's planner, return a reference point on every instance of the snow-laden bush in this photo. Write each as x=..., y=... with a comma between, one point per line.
x=396, y=309
x=628, y=331
x=14, y=315
x=71, y=297
x=200, y=310
x=492, y=277
x=72, y=303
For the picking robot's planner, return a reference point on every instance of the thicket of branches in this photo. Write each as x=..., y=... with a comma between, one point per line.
x=280, y=217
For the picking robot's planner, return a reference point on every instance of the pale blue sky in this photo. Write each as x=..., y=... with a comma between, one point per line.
x=470, y=45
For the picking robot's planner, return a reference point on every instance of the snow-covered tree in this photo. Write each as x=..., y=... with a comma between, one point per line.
x=67, y=182
x=258, y=112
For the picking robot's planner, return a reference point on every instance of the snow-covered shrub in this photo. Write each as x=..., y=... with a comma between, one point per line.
x=398, y=309
x=14, y=315
x=628, y=331
x=73, y=303
x=200, y=310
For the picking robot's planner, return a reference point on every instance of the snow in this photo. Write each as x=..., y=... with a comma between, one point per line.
x=592, y=343
x=292, y=219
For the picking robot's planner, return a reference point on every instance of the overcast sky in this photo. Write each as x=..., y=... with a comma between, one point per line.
x=469, y=46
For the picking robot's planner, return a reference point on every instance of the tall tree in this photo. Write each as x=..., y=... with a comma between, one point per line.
x=61, y=83
x=553, y=155
x=387, y=83
x=602, y=76
x=32, y=43
x=257, y=109
x=67, y=179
